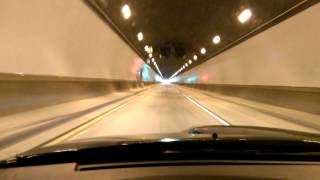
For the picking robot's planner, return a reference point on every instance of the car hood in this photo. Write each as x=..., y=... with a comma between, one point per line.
x=215, y=142
x=222, y=133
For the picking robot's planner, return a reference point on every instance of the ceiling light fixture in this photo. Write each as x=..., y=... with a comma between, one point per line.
x=173, y=75
x=195, y=57
x=140, y=36
x=216, y=39
x=126, y=12
x=150, y=55
x=203, y=50
x=190, y=61
x=146, y=48
x=245, y=15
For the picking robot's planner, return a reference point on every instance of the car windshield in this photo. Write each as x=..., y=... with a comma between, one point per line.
x=115, y=70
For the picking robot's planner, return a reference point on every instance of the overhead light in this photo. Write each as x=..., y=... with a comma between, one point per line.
x=140, y=36
x=186, y=64
x=150, y=55
x=146, y=48
x=126, y=11
x=203, y=50
x=152, y=59
x=190, y=61
x=245, y=15
x=216, y=39
x=195, y=57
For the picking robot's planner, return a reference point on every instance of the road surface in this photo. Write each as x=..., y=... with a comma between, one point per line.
x=155, y=110
x=170, y=108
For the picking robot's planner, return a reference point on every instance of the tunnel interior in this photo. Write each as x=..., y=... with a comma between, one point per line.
x=179, y=35
x=104, y=68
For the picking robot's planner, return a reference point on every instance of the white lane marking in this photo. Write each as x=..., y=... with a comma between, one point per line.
x=222, y=121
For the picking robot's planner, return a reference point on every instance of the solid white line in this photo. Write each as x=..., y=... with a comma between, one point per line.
x=207, y=111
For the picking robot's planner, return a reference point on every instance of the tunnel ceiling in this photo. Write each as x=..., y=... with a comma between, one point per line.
x=177, y=30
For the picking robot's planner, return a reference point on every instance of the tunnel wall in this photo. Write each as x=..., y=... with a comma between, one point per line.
x=287, y=54
x=21, y=93
x=280, y=66
x=61, y=38
x=54, y=51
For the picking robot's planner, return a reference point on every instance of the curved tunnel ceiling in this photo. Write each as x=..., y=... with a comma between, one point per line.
x=186, y=33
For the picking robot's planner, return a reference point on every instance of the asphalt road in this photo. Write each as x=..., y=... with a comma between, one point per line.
x=162, y=109
x=156, y=110
x=169, y=109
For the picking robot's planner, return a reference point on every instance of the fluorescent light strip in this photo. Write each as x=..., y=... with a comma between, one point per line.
x=155, y=64
x=179, y=70
x=173, y=75
x=207, y=111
